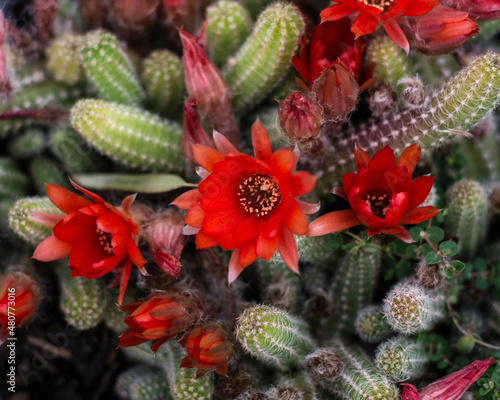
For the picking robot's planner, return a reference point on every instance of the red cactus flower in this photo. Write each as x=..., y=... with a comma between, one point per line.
x=161, y=317
x=382, y=195
x=371, y=12
x=19, y=298
x=96, y=236
x=248, y=203
x=209, y=348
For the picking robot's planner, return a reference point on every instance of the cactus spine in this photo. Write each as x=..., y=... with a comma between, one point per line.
x=64, y=60
x=273, y=336
x=370, y=324
x=274, y=37
x=129, y=135
x=466, y=219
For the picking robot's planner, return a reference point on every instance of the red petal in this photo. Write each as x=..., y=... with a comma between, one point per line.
x=308, y=208
x=288, y=250
x=234, y=268
x=419, y=190
x=409, y=392
x=206, y=156
x=92, y=195
x=337, y=11
x=51, y=249
x=334, y=221
x=400, y=232
x=361, y=157
x=127, y=203
x=420, y=214
x=364, y=24
x=260, y=140
x=249, y=228
x=282, y=163
x=396, y=34
x=348, y=181
x=127, y=265
x=194, y=216
x=248, y=253
x=75, y=226
x=339, y=191
x=223, y=144
x=267, y=247
x=301, y=183
x=383, y=160
x=409, y=158
x=45, y=219
x=221, y=222
x=113, y=223
x=295, y=219
x=187, y=199
x=64, y=199
x=204, y=241
x=128, y=339
x=420, y=7
x=135, y=254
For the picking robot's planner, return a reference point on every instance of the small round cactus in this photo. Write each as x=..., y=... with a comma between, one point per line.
x=142, y=383
x=64, y=59
x=370, y=324
x=28, y=144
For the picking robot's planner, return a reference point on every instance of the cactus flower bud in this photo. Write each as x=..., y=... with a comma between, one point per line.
x=192, y=131
x=483, y=10
x=440, y=31
x=20, y=293
x=301, y=117
x=134, y=14
x=337, y=91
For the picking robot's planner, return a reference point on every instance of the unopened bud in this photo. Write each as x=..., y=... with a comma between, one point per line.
x=483, y=10
x=135, y=15
x=324, y=363
x=192, y=131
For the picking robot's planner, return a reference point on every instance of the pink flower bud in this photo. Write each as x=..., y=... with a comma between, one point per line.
x=135, y=14
x=301, y=117
x=193, y=131
x=483, y=10
x=337, y=91
x=440, y=31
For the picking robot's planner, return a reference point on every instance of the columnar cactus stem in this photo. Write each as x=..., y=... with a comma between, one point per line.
x=142, y=383
x=27, y=144
x=275, y=37
x=110, y=70
x=44, y=170
x=318, y=249
x=13, y=182
x=273, y=336
x=130, y=135
x=370, y=324
x=64, y=60
x=466, y=218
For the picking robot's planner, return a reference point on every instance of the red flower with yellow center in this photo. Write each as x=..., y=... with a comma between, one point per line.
x=371, y=12
x=382, y=195
x=248, y=203
x=96, y=236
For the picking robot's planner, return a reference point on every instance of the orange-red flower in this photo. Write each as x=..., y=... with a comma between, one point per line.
x=19, y=300
x=248, y=203
x=96, y=236
x=371, y=12
x=161, y=317
x=382, y=195
x=209, y=348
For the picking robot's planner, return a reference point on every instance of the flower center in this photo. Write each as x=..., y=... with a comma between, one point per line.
x=259, y=194
x=378, y=204
x=380, y=4
x=104, y=239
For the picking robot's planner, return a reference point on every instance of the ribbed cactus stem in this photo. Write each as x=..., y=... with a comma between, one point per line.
x=401, y=358
x=409, y=308
x=370, y=324
x=142, y=383
x=20, y=222
x=27, y=144
x=109, y=69
x=64, y=60
x=358, y=379
x=274, y=38
x=466, y=218
x=228, y=25
x=273, y=336
x=130, y=135
x=45, y=170
x=13, y=182
x=163, y=80
x=318, y=250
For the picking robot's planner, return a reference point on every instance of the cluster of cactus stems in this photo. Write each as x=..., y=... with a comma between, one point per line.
x=103, y=100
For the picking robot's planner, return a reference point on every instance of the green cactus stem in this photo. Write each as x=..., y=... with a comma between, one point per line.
x=163, y=80
x=401, y=358
x=130, y=135
x=274, y=38
x=113, y=316
x=370, y=324
x=13, y=182
x=142, y=383
x=64, y=60
x=27, y=144
x=45, y=170
x=110, y=70
x=228, y=25
x=20, y=222
x=273, y=336
x=467, y=213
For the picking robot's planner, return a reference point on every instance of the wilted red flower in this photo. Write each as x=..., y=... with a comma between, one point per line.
x=440, y=31
x=96, y=236
x=248, y=203
x=209, y=348
x=382, y=195
x=483, y=10
x=451, y=387
x=19, y=300
x=161, y=317
x=371, y=12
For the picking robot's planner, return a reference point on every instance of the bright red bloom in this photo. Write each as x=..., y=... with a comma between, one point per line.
x=161, y=317
x=382, y=195
x=452, y=386
x=248, y=203
x=19, y=294
x=209, y=348
x=96, y=236
x=371, y=12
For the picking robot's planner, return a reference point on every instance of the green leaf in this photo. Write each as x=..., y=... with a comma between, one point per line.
x=458, y=265
x=481, y=283
x=415, y=233
x=480, y=264
x=432, y=258
x=142, y=183
x=448, y=273
x=411, y=251
x=435, y=234
x=334, y=241
x=466, y=344
x=448, y=248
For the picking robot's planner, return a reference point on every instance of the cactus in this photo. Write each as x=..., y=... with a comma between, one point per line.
x=228, y=25
x=370, y=324
x=318, y=250
x=273, y=336
x=409, y=308
x=13, y=182
x=113, y=316
x=44, y=170
x=401, y=358
x=163, y=80
x=110, y=70
x=142, y=383
x=64, y=60
x=435, y=69
x=274, y=37
x=466, y=218
x=19, y=218
x=27, y=144
x=129, y=135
